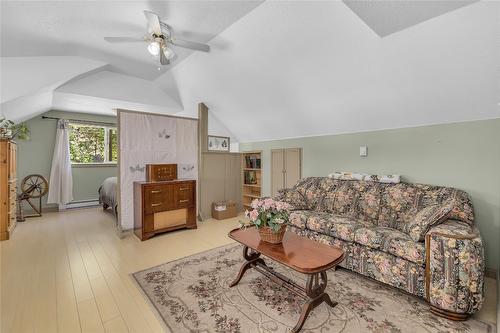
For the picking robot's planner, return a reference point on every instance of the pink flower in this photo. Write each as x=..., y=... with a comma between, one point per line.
x=254, y=214
x=268, y=203
x=255, y=203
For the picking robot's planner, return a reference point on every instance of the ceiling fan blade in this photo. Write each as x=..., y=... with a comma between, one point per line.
x=163, y=58
x=153, y=22
x=190, y=45
x=124, y=39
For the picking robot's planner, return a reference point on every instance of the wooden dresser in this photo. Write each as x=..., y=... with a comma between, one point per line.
x=8, y=188
x=161, y=206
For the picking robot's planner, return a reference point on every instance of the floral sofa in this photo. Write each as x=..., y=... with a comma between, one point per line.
x=415, y=237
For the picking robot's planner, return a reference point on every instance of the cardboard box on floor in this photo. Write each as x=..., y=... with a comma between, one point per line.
x=222, y=210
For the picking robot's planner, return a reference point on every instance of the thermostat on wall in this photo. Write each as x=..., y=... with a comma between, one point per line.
x=363, y=151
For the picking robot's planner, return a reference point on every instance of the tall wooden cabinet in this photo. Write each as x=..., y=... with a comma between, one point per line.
x=286, y=168
x=8, y=188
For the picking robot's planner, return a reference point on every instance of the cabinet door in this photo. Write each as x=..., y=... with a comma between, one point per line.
x=293, y=166
x=277, y=170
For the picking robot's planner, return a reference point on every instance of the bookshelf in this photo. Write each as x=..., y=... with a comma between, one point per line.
x=251, y=166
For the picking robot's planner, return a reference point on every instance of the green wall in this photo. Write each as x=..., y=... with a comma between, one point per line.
x=462, y=155
x=35, y=155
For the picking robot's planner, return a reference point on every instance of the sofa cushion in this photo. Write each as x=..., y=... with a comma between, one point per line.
x=421, y=220
x=432, y=195
x=329, y=188
x=367, y=205
x=398, y=201
x=334, y=225
x=346, y=195
x=391, y=241
x=298, y=218
x=305, y=195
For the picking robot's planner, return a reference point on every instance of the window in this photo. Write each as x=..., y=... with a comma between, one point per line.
x=92, y=144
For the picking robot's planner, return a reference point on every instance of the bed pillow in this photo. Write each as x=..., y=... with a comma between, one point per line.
x=418, y=222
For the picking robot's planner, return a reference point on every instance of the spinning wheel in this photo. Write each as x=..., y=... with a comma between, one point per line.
x=32, y=187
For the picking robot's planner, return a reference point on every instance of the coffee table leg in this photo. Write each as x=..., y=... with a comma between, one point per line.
x=251, y=258
x=315, y=289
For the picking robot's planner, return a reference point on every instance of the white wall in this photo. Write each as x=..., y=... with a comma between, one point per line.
x=291, y=69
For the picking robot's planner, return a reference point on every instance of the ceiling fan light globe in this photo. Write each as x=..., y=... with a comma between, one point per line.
x=169, y=53
x=154, y=48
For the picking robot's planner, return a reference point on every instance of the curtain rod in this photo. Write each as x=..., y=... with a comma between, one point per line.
x=90, y=122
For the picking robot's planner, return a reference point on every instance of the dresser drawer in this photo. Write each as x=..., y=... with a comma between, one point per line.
x=185, y=195
x=159, y=198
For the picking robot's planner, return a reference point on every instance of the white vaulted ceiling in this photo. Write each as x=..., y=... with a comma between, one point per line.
x=37, y=35
x=275, y=69
x=298, y=69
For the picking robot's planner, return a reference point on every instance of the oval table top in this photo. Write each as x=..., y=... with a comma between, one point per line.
x=299, y=253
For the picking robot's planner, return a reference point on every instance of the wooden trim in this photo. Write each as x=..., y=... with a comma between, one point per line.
x=427, y=265
x=449, y=314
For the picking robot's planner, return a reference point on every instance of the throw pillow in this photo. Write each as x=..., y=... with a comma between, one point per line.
x=420, y=221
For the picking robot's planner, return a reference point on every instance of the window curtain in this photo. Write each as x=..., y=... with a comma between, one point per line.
x=61, y=179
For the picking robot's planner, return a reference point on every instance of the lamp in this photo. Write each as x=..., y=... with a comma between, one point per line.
x=154, y=48
x=169, y=53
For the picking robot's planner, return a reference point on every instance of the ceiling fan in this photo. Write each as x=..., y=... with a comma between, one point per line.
x=159, y=38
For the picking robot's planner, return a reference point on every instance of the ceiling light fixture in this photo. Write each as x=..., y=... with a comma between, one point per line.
x=154, y=48
x=169, y=53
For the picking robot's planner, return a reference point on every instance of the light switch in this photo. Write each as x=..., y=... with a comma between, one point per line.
x=363, y=151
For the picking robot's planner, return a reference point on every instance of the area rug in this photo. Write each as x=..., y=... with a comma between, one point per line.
x=192, y=295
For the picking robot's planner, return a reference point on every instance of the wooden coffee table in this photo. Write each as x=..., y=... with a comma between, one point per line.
x=300, y=254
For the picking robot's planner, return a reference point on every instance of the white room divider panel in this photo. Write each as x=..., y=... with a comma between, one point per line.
x=150, y=138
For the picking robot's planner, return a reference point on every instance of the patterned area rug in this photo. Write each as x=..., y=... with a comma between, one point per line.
x=192, y=295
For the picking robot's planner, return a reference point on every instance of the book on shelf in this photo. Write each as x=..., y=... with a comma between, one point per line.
x=252, y=162
x=250, y=178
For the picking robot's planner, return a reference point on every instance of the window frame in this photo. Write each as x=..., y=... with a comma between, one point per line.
x=107, y=146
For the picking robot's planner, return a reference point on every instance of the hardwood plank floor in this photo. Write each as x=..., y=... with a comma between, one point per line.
x=69, y=272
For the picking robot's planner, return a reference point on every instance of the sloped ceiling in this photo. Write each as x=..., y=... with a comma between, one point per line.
x=294, y=69
x=275, y=70
x=48, y=28
x=53, y=53
x=388, y=16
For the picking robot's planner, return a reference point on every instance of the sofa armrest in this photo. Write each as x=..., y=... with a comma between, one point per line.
x=454, y=268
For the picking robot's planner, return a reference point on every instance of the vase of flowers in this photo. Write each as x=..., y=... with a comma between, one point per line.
x=270, y=217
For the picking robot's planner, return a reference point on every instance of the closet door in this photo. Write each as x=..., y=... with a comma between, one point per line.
x=277, y=170
x=293, y=166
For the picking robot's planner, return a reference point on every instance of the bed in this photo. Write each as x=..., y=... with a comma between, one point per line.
x=107, y=195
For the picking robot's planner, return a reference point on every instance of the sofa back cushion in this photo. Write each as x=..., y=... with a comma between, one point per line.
x=367, y=207
x=351, y=198
x=306, y=194
x=462, y=204
x=396, y=204
x=421, y=220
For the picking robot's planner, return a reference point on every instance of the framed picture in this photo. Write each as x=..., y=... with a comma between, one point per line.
x=218, y=143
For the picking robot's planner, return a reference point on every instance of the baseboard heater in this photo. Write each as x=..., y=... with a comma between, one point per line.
x=79, y=204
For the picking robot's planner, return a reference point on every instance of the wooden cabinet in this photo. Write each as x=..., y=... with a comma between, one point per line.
x=286, y=168
x=8, y=188
x=164, y=206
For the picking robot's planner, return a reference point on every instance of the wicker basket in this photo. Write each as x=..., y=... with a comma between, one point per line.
x=268, y=235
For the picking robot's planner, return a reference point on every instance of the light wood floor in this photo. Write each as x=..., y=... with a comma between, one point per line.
x=69, y=272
